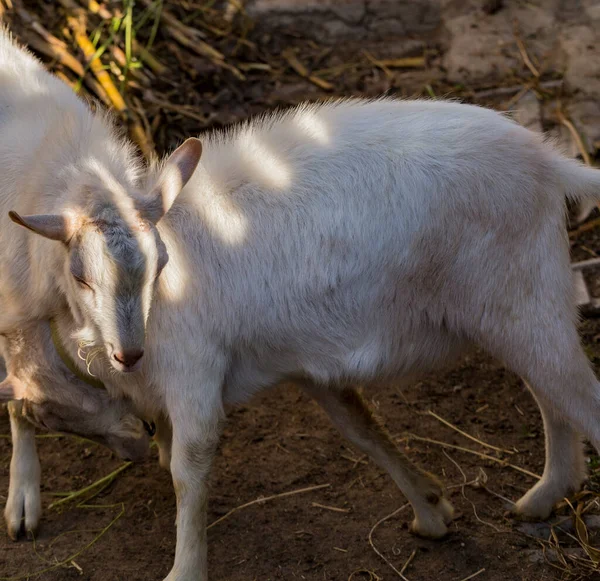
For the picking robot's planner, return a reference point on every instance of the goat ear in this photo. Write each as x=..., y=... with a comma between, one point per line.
x=11, y=388
x=176, y=172
x=52, y=226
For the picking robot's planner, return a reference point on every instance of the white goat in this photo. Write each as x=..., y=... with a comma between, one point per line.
x=98, y=248
x=361, y=241
x=57, y=400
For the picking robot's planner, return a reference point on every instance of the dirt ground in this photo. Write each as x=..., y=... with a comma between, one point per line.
x=281, y=443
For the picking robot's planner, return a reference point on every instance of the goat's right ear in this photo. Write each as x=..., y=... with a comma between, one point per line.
x=11, y=388
x=178, y=169
x=52, y=226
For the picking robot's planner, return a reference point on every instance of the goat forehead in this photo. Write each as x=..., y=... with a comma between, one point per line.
x=129, y=251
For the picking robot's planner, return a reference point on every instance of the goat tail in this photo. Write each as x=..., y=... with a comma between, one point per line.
x=579, y=181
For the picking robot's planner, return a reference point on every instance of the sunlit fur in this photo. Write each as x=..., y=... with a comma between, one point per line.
x=59, y=158
x=378, y=239
x=55, y=399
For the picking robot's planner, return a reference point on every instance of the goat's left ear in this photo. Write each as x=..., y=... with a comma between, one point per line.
x=11, y=388
x=177, y=171
x=52, y=226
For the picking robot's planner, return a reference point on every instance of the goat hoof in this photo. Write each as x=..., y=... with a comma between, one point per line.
x=532, y=509
x=430, y=529
x=23, y=511
x=13, y=531
x=538, y=503
x=434, y=524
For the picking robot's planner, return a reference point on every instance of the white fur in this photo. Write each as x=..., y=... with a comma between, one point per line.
x=359, y=241
x=56, y=400
x=75, y=184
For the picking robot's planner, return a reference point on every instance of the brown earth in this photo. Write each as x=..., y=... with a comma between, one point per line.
x=281, y=442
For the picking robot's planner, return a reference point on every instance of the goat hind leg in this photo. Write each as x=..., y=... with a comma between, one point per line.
x=564, y=470
x=352, y=417
x=547, y=353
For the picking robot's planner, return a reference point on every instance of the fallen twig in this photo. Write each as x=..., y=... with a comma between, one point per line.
x=105, y=480
x=290, y=57
x=266, y=499
x=473, y=575
x=474, y=452
x=192, y=39
x=331, y=508
x=379, y=553
x=466, y=435
x=77, y=23
x=47, y=44
x=523, y=52
x=575, y=134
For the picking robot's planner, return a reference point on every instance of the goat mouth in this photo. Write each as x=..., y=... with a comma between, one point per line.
x=125, y=368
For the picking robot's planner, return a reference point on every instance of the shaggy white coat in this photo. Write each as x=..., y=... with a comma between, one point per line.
x=355, y=242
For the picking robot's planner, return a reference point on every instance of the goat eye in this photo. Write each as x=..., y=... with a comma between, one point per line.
x=81, y=282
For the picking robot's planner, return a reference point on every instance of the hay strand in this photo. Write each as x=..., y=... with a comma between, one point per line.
x=104, y=481
x=466, y=435
x=266, y=499
x=377, y=551
x=474, y=452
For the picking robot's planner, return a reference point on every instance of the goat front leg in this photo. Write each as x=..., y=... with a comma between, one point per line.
x=24, y=504
x=196, y=431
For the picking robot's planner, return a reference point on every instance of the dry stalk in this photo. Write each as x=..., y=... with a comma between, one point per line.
x=466, y=435
x=591, y=225
x=331, y=508
x=184, y=110
x=473, y=575
x=523, y=52
x=474, y=452
x=102, y=482
x=290, y=57
x=77, y=21
x=192, y=39
x=378, y=64
x=582, y=150
x=408, y=561
x=47, y=44
x=464, y=495
x=98, y=9
x=574, y=134
x=266, y=499
x=377, y=551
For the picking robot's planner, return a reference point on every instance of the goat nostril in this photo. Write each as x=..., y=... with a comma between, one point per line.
x=129, y=357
